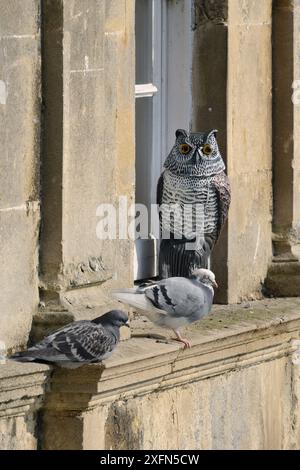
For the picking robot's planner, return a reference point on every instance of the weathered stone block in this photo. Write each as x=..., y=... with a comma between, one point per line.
x=115, y=16
x=250, y=246
x=20, y=120
x=18, y=275
x=19, y=17
x=83, y=34
x=89, y=173
x=249, y=103
x=250, y=12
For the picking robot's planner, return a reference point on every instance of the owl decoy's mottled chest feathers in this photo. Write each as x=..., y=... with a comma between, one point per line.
x=193, y=174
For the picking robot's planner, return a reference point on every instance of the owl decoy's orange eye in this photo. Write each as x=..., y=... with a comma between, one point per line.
x=185, y=148
x=207, y=149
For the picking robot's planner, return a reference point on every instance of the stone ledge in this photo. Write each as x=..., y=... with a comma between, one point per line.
x=22, y=387
x=232, y=338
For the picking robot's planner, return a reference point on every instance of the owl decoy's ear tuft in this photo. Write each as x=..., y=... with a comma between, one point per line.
x=180, y=132
x=214, y=131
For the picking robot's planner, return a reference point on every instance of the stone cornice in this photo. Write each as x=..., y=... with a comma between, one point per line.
x=142, y=365
x=22, y=387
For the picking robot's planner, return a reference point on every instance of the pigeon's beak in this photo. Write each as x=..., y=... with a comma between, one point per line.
x=215, y=285
x=127, y=324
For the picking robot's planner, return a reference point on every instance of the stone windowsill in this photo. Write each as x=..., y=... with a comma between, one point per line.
x=233, y=337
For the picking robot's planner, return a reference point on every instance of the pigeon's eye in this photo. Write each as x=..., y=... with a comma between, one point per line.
x=207, y=149
x=185, y=148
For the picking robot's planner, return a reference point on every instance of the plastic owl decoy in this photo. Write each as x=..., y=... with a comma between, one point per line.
x=193, y=194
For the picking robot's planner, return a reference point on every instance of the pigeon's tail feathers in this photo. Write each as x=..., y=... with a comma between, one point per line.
x=135, y=299
x=40, y=355
x=133, y=290
x=140, y=302
x=132, y=298
x=22, y=356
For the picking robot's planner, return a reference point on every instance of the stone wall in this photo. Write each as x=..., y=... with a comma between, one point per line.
x=66, y=146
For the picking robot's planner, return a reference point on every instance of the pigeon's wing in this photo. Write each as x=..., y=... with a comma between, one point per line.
x=222, y=186
x=44, y=350
x=177, y=296
x=159, y=189
x=47, y=342
x=85, y=342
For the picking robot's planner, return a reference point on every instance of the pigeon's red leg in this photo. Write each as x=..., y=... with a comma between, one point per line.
x=186, y=342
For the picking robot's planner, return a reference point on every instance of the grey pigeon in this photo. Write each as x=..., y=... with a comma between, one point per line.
x=79, y=342
x=174, y=302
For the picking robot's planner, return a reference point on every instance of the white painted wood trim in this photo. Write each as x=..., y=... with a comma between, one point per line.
x=145, y=90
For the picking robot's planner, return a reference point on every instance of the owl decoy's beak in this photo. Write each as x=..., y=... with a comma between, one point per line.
x=198, y=155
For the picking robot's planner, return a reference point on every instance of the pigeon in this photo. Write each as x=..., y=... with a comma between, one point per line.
x=174, y=302
x=80, y=342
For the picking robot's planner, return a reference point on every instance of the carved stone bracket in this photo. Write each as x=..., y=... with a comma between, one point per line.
x=210, y=11
x=22, y=389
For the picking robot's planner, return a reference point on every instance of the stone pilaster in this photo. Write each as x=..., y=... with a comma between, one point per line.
x=19, y=167
x=284, y=273
x=210, y=25
x=232, y=92
x=87, y=152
